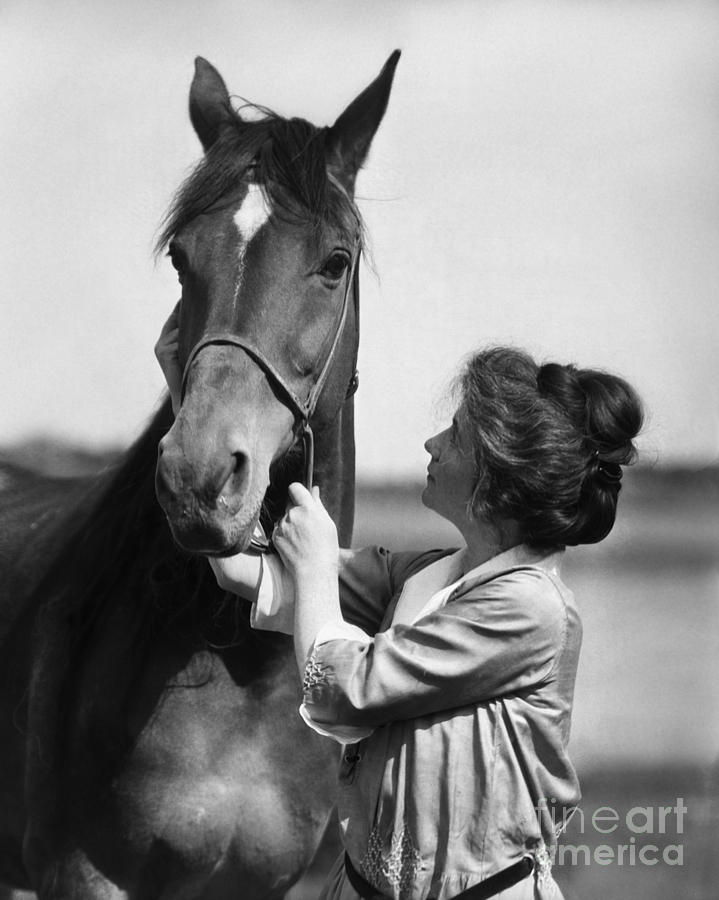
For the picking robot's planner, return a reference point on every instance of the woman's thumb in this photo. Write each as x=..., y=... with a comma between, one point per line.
x=297, y=493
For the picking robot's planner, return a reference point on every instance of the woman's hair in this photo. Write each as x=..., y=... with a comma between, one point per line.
x=549, y=442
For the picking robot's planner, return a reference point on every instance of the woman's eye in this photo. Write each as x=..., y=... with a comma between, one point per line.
x=336, y=266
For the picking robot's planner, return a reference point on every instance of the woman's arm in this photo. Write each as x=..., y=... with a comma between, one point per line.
x=306, y=539
x=367, y=583
x=502, y=637
x=240, y=574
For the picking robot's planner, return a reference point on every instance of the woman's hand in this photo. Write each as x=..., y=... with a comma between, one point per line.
x=306, y=536
x=306, y=540
x=166, y=352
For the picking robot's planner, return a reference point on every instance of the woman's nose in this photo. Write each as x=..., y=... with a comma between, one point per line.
x=430, y=444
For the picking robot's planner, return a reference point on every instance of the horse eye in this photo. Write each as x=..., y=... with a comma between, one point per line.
x=336, y=266
x=177, y=262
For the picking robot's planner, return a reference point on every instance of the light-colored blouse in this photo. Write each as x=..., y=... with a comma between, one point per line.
x=452, y=693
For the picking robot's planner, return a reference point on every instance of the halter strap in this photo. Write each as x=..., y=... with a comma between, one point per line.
x=298, y=406
x=352, y=285
x=303, y=409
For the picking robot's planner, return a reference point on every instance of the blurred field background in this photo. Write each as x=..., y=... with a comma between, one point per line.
x=646, y=724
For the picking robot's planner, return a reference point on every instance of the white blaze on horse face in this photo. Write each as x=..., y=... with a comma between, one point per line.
x=253, y=213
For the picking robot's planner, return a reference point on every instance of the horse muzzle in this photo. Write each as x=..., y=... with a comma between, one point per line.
x=213, y=467
x=210, y=507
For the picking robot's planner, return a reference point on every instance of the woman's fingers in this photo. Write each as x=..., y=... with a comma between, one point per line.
x=306, y=535
x=166, y=345
x=171, y=327
x=299, y=494
x=169, y=332
x=166, y=353
x=171, y=324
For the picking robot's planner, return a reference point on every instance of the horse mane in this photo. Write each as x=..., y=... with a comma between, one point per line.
x=120, y=525
x=287, y=158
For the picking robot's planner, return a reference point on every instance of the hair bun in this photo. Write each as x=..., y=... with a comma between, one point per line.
x=607, y=473
x=605, y=408
x=613, y=419
x=562, y=385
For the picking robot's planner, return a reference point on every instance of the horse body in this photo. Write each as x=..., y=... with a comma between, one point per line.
x=152, y=747
x=156, y=734
x=35, y=511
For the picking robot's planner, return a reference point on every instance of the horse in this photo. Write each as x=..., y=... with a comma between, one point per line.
x=151, y=742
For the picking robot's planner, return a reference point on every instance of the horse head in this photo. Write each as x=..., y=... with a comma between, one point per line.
x=265, y=237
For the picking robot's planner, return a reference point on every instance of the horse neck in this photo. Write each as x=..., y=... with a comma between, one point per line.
x=335, y=469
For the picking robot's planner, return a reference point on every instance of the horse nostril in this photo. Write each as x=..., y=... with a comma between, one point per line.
x=165, y=485
x=162, y=445
x=241, y=461
x=235, y=483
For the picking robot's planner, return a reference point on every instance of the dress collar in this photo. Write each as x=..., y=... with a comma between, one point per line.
x=520, y=556
x=434, y=585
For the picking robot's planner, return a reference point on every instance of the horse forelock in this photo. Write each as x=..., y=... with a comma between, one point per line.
x=287, y=158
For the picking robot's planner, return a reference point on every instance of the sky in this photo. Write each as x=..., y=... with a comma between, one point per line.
x=547, y=175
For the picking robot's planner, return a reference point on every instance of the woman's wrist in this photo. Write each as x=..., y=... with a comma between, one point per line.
x=316, y=604
x=240, y=574
x=309, y=571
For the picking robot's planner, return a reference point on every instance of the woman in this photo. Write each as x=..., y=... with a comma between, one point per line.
x=449, y=675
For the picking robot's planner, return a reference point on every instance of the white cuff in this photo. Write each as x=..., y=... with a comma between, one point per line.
x=340, y=631
x=274, y=609
x=343, y=734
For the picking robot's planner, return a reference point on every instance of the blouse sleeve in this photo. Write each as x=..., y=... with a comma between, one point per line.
x=500, y=637
x=368, y=580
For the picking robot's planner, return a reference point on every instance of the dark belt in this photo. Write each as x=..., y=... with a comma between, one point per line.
x=483, y=890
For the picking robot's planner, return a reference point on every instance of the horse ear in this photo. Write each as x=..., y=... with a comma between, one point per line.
x=349, y=139
x=210, y=106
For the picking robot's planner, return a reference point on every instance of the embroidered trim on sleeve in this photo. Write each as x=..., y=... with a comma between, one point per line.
x=315, y=678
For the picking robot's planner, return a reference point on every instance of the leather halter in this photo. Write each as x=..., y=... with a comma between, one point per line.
x=303, y=409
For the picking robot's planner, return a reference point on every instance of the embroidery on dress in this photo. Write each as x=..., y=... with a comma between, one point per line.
x=542, y=862
x=398, y=868
x=315, y=678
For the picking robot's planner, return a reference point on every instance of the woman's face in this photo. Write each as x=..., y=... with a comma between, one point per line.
x=451, y=474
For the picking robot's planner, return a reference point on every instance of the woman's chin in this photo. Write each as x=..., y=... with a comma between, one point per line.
x=426, y=496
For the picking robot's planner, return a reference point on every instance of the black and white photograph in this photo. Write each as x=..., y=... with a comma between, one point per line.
x=359, y=450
